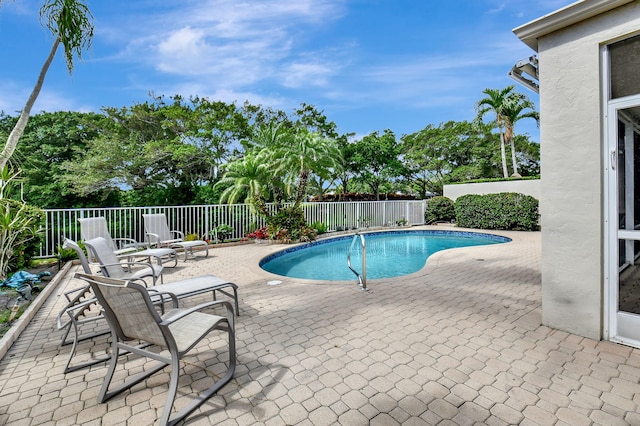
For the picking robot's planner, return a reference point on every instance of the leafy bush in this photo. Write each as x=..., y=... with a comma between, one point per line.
x=66, y=254
x=19, y=235
x=320, y=227
x=191, y=237
x=258, y=234
x=506, y=210
x=289, y=225
x=439, y=209
x=222, y=231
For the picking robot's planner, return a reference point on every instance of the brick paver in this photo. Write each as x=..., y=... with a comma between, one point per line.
x=459, y=342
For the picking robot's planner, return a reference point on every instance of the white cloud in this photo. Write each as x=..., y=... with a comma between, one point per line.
x=307, y=74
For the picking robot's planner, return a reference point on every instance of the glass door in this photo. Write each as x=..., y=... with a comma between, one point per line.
x=624, y=220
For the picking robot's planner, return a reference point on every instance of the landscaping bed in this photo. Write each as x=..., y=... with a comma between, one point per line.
x=9, y=295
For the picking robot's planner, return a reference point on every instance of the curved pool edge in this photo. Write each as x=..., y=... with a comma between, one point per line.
x=509, y=235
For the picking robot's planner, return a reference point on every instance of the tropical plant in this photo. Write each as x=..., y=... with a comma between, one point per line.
x=296, y=158
x=247, y=179
x=258, y=234
x=70, y=22
x=495, y=102
x=516, y=107
x=19, y=224
x=222, y=231
x=320, y=227
x=289, y=225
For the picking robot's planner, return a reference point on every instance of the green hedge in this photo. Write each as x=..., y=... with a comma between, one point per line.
x=506, y=210
x=439, y=209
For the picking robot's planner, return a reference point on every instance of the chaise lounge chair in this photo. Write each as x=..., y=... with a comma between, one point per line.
x=132, y=317
x=158, y=234
x=94, y=227
x=112, y=266
x=82, y=306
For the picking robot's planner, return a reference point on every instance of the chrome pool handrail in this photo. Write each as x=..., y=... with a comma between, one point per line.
x=362, y=278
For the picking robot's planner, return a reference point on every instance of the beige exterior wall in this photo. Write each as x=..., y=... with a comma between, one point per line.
x=572, y=203
x=527, y=187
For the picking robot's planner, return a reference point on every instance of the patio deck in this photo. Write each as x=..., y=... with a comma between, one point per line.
x=459, y=342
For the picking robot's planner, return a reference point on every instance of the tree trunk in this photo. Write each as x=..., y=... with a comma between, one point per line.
x=504, y=155
x=18, y=130
x=513, y=157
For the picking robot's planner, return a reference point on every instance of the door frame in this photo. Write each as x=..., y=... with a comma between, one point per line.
x=618, y=326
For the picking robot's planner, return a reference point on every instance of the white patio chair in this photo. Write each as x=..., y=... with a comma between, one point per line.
x=132, y=317
x=94, y=227
x=112, y=266
x=81, y=308
x=157, y=231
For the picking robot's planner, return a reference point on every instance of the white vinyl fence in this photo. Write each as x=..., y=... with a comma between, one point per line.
x=127, y=222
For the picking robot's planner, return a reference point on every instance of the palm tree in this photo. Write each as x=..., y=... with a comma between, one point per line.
x=495, y=102
x=515, y=109
x=247, y=177
x=71, y=23
x=306, y=153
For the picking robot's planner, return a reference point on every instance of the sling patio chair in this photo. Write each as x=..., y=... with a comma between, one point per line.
x=158, y=234
x=112, y=266
x=135, y=325
x=82, y=306
x=94, y=227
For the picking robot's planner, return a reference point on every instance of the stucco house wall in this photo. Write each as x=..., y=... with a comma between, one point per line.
x=572, y=204
x=527, y=187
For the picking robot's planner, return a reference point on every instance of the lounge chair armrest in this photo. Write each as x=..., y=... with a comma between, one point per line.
x=153, y=292
x=71, y=311
x=189, y=311
x=147, y=264
x=152, y=238
x=125, y=242
x=79, y=291
x=178, y=234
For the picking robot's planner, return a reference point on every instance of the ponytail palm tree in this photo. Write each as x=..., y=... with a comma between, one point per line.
x=71, y=24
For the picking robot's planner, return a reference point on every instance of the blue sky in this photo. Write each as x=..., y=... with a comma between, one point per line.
x=368, y=64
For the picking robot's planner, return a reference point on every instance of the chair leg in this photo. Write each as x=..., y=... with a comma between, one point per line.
x=68, y=368
x=173, y=390
x=105, y=394
x=212, y=390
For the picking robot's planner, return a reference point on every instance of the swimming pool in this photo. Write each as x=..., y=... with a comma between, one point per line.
x=389, y=254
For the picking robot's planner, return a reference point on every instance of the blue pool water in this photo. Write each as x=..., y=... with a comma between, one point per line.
x=389, y=254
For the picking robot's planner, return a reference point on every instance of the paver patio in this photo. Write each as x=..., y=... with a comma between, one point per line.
x=459, y=342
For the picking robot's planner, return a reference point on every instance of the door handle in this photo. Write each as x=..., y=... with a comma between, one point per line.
x=613, y=159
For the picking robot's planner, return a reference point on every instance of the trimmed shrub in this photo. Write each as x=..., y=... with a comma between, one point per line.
x=439, y=209
x=506, y=210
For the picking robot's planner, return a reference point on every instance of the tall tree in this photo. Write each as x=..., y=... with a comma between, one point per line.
x=495, y=103
x=71, y=24
x=517, y=106
x=376, y=159
x=450, y=152
x=50, y=140
x=308, y=153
